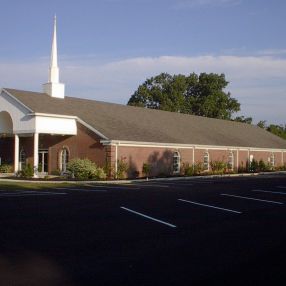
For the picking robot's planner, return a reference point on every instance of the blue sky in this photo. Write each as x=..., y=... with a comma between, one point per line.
x=108, y=47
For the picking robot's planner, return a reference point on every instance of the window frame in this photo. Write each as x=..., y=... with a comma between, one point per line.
x=177, y=162
x=206, y=163
x=64, y=154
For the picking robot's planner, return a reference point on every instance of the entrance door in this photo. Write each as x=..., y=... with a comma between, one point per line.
x=43, y=161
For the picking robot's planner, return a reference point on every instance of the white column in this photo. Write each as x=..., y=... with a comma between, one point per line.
x=16, y=154
x=36, y=155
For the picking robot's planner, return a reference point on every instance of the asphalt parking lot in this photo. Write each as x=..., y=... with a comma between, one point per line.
x=227, y=231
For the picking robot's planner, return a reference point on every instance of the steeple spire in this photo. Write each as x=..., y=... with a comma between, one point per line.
x=54, y=69
x=53, y=87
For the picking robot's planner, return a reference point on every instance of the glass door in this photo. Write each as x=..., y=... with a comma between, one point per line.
x=43, y=161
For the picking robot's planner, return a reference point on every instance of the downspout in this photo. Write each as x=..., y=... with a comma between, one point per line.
x=237, y=160
x=116, y=159
x=193, y=155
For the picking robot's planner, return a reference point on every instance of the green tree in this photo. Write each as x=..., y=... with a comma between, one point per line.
x=202, y=95
x=262, y=124
x=278, y=130
x=243, y=119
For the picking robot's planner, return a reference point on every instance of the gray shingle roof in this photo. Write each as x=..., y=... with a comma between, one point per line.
x=120, y=122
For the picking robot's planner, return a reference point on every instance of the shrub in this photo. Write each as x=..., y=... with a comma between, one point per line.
x=6, y=168
x=253, y=166
x=281, y=168
x=242, y=168
x=84, y=169
x=192, y=170
x=27, y=172
x=146, y=169
x=218, y=167
x=122, y=168
x=262, y=167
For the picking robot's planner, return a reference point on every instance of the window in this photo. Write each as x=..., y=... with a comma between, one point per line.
x=22, y=159
x=230, y=161
x=206, y=161
x=176, y=162
x=64, y=159
x=272, y=160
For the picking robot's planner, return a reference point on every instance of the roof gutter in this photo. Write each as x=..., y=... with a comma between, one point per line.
x=184, y=146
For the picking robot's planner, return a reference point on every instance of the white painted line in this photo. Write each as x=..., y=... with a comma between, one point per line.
x=262, y=191
x=154, y=185
x=43, y=192
x=209, y=206
x=82, y=190
x=149, y=217
x=254, y=199
x=281, y=187
x=119, y=188
x=114, y=187
x=175, y=184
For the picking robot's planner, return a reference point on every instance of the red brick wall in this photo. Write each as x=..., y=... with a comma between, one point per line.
x=85, y=144
x=161, y=159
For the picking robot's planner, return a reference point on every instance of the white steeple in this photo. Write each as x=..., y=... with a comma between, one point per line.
x=54, y=88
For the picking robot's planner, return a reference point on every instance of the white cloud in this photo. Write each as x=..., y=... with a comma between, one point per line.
x=258, y=82
x=183, y=4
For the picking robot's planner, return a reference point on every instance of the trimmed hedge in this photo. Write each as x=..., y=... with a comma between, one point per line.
x=84, y=169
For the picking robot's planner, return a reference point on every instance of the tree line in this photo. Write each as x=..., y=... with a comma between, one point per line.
x=202, y=95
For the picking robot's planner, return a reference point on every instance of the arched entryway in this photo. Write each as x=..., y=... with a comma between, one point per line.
x=6, y=123
x=6, y=138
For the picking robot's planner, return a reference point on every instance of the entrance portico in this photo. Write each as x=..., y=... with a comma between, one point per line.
x=24, y=126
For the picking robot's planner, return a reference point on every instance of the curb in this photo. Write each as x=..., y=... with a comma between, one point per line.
x=267, y=174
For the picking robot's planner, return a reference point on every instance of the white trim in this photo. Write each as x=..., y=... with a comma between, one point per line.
x=52, y=115
x=17, y=100
x=91, y=128
x=70, y=117
x=184, y=146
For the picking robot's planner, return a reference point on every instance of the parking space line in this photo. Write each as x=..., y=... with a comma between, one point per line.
x=149, y=217
x=113, y=187
x=253, y=199
x=154, y=185
x=82, y=190
x=281, y=187
x=209, y=206
x=262, y=191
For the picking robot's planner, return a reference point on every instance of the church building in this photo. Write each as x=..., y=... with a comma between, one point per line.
x=47, y=129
